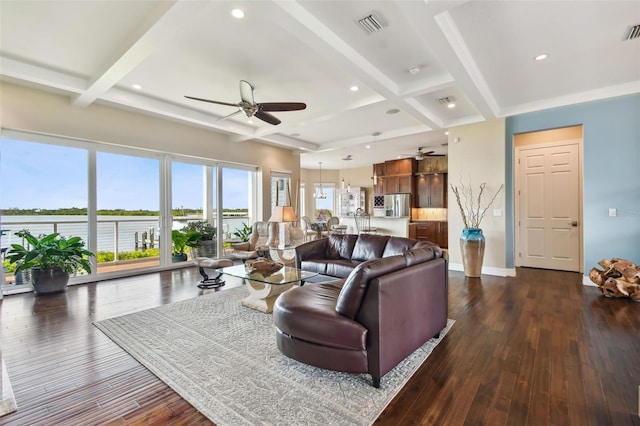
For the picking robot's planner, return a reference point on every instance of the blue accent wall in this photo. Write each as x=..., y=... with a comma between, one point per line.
x=611, y=174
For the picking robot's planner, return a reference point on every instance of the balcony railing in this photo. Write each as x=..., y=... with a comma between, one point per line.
x=115, y=234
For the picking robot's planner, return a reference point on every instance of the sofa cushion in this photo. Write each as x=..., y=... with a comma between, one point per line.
x=356, y=283
x=369, y=246
x=398, y=245
x=316, y=265
x=340, y=246
x=309, y=313
x=341, y=268
x=419, y=255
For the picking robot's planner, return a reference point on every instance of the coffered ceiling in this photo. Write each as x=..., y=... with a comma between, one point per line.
x=476, y=54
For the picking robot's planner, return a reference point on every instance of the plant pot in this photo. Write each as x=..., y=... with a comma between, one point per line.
x=45, y=281
x=472, y=250
x=205, y=249
x=180, y=257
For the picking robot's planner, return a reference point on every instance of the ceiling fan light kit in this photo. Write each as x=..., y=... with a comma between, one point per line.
x=251, y=108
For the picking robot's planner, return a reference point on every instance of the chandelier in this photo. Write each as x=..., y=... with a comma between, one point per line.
x=320, y=192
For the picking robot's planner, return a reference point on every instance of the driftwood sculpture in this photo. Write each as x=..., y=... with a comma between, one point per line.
x=262, y=266
x=620, y=278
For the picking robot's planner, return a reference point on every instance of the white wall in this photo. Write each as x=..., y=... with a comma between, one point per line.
x=37, y=111
x=476, y=155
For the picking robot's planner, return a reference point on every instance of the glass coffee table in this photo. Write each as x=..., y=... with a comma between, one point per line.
x=263, y=290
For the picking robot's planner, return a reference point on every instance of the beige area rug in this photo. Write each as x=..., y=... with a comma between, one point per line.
x=222, y=358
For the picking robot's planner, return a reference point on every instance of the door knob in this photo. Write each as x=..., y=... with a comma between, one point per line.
x=574, y=223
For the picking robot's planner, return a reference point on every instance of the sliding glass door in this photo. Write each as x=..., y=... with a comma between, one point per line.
x=128, y=212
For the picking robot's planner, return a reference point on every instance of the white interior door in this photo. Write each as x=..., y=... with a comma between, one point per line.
x=549, y=206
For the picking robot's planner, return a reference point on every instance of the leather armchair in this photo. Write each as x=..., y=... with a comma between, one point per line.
x=263, y=235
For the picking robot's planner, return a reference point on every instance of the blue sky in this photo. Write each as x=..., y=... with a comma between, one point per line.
x=35, y=175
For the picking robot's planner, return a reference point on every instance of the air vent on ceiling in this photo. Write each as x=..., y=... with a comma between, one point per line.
x=446, y=100
x=633, y=32
x=371, y=23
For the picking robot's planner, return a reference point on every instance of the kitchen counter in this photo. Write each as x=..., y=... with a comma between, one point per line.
x=397, y=226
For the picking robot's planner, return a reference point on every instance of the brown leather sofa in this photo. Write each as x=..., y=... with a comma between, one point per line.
x=382, y=312
x=338, y=255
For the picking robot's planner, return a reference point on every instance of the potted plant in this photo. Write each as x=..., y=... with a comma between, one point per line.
x=243, y=233
x=181, y=241
x=51, y=258
x=201, y=239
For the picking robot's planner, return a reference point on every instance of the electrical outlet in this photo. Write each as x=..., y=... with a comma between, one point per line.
x=497, y=212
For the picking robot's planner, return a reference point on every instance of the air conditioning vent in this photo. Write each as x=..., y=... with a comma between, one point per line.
x=371, y=23
x=446, y=100
x=633, y=32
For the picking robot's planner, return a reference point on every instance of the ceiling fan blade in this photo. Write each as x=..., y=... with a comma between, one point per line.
x=246, y=92
x=230, y=115
x=213, y=102
x=269, y=118
x=282, y=106
x=428, y=153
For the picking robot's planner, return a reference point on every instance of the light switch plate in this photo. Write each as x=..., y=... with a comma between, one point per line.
x=613, y=212
x=497, y=212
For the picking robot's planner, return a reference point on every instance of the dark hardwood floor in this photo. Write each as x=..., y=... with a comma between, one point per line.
x=537, y=349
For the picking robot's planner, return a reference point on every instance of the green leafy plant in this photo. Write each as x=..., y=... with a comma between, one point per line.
x=50, y=251
x=199, y=231
x=182, y=240
x=243, y=233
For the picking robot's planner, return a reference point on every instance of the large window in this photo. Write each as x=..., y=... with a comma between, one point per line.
x=324, y=196
x=43, y=190
x=122, y=202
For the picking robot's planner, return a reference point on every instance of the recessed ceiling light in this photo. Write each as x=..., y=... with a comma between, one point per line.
x=237, y=13
x=541, y=57
x=393, y=111
x=446, y=133
x=368, y=146
x=354, y=88
x=136, y=86
x=451, y=105
x=250, y=121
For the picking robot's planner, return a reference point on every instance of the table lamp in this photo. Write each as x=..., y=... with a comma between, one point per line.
x=283, y=215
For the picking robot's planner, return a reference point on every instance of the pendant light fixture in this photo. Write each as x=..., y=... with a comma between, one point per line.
x=321, y=194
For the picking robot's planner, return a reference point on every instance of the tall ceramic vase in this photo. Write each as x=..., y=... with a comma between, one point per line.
x=472, y=250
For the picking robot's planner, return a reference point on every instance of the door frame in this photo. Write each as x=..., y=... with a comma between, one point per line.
x=518, y=185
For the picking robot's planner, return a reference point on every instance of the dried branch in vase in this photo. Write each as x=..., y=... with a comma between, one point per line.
x=471, y=208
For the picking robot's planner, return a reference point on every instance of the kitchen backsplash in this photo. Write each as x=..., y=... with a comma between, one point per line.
x=428, y=214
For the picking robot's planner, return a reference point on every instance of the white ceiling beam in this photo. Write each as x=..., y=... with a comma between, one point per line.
x=151, y=35
x=313, y=32
x=38, y=75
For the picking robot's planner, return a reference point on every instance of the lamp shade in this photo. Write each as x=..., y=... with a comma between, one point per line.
x=283, y=214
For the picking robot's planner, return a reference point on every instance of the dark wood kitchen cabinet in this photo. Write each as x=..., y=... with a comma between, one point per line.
x=431, y=190
x=405, y=166
x=398, y=184
x=433, y=231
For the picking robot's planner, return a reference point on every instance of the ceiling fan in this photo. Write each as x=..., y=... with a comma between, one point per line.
x=419, y=155
x=251, y=108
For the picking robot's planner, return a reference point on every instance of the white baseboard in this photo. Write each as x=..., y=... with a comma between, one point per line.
x=587, y=281
x=486, y=270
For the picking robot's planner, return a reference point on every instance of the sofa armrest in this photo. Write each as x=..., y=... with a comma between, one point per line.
x=401, y=311
x=315, y=249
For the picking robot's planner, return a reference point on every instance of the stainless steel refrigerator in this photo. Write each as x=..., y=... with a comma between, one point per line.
x=397, y=205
